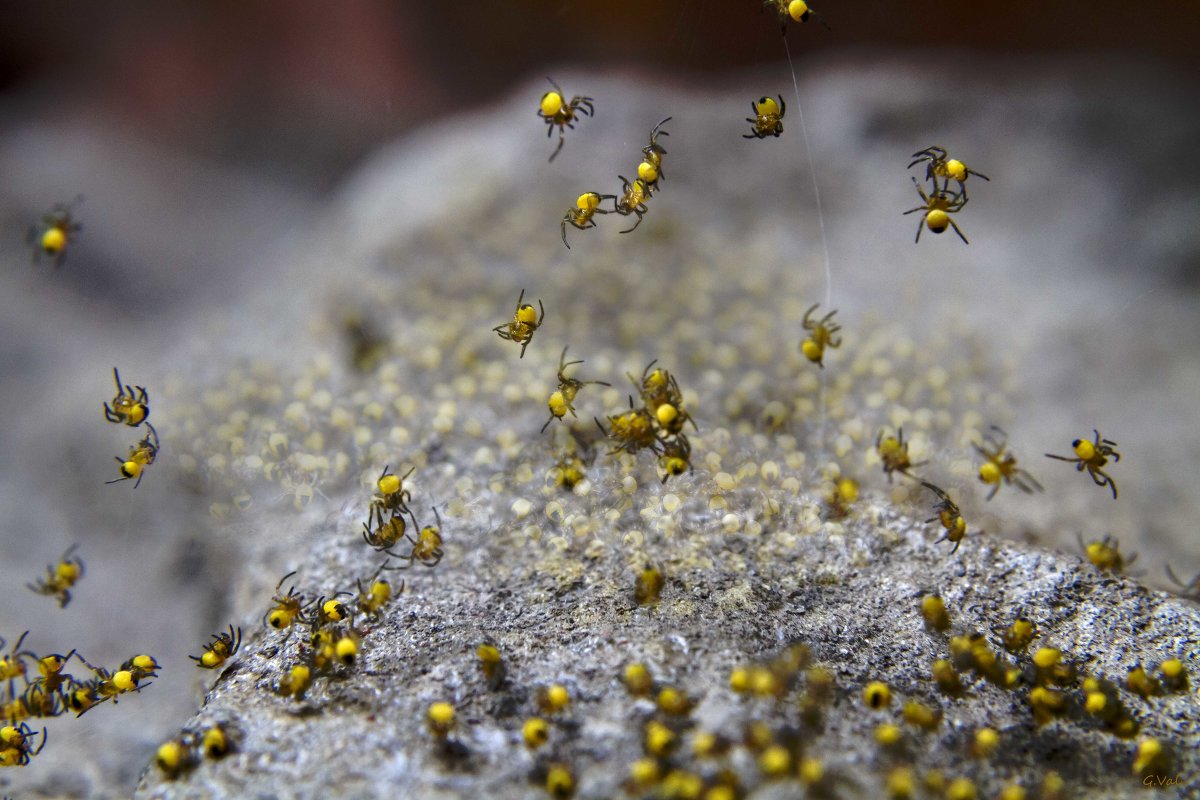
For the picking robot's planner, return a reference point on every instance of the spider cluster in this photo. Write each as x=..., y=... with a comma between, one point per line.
x=634, y=194
x=335, y=627
x=657, y=425
x=131, y=406
x=386, y=528
x=941, y=201
x=54, y=692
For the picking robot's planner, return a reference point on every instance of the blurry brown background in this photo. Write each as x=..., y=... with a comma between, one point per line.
x=304, y=89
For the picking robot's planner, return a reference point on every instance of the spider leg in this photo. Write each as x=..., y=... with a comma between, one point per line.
x=954, y=225
x=992, y=493
x=561, y=139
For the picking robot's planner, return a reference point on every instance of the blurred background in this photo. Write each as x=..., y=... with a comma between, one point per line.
x=303, y=91
x=208, y=138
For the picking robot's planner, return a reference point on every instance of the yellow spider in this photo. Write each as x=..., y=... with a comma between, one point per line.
x=562, y=400
x=938, y=207
x=767, y=119
x=555, y=110
x=1093, y=456
x=580, y=215
x=1001, y=465
x=524, y=323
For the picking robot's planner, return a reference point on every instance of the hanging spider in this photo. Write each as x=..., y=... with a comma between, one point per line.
x=140, y=456
x=822, y=334
x=767, y=119
x=54, y=234
x=555, y=110
x=562, y=400
x=128, y=406
x=939, y=165
x=632, y=200
x=524, y=323
x=794, y=10
x=938, y=208
x=580, y=215
x=650, y=170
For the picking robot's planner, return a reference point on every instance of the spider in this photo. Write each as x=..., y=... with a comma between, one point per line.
x=676, y=457
x=796, y=10
x=140, y=456
x=562, y=400
x=632, y=430
x=55, y=233
x=940, y=166
x=938, y=208
x=893, y=452
x=556, y=111
x=1093, y=456
x=128, y=406
x=948, y=515
x=523, y=324
x=632, y=200
x=767, y=119
x=1001, y=465
x=586, y=207
x=650, y=170
x=822, y=335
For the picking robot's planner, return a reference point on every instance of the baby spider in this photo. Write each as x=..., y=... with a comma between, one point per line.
x=562, y=400
x=12, y=666
x=555, y=110
x=1001, y=465
x=16, y=746
x=795, y=10
x=938, y=208
x=657, y=387
x=821, y=335
x=650, y=170
x=939, y=166
x=128, y=406
x=60, y=578
x=390, y=495
x=893, y=452
x=767, y=119
x=632, y=431
x=387, y=533
x=1093, y=456
x=1106, y=554
x=524, y=323
x=676, y=457
x=371, y=600
x=632, y=200
x=140, y=456
x=949, y=515
x=220, y=650
x=287, y=609
x=55, y=233
x=427, y=548
x=586, y=207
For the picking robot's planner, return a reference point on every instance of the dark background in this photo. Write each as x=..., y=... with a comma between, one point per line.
x=304, y=89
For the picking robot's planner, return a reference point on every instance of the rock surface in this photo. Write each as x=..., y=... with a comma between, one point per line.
x=1047, y=324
